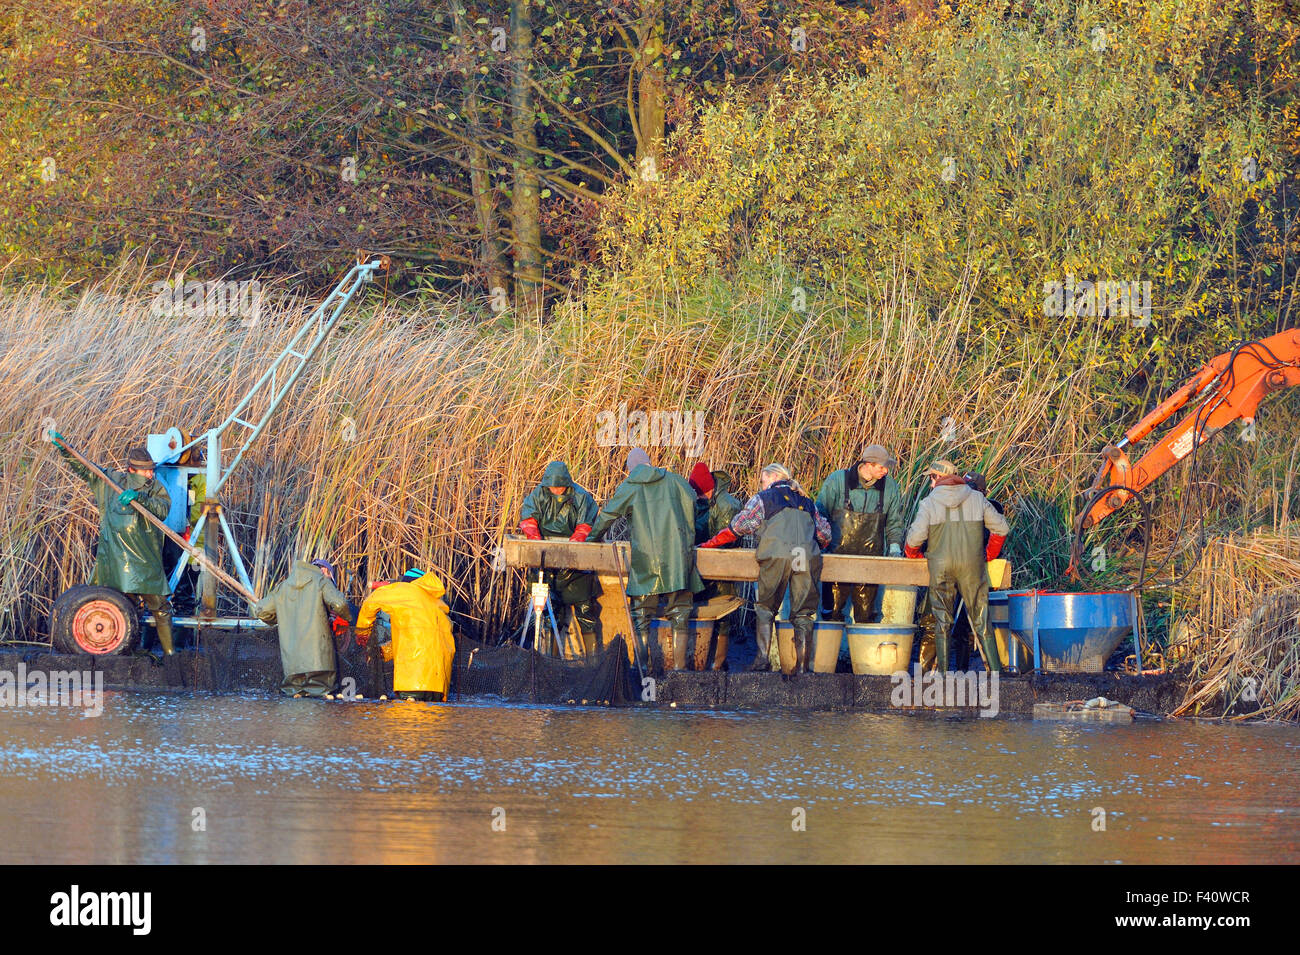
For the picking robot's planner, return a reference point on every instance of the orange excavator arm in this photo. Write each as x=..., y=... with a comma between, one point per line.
x=1229, y=388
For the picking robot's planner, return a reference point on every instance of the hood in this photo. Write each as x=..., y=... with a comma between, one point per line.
x=721, y=483
x=557, y=475
x=951, y=495
x=646, y=474
x=303, y=575
x=431, y=583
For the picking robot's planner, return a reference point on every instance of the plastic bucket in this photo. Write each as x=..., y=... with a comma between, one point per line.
x=828, y=635
x=898, y=604
x=880, y=648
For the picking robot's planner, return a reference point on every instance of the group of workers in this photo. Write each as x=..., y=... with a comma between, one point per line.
x=307, y=608
x=858, y=510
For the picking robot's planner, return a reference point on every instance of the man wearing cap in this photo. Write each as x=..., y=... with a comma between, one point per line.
x=129, y=557
x=561, y=509
x=715, y=506
x=950, y=523
x=660, y=507
x=865, y=507
x=299, y=608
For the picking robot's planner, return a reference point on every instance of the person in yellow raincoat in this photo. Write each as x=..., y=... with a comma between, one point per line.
x=422, y=647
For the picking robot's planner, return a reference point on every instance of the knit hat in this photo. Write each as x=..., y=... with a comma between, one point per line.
x=412, y=574
x=877, y=454
x=701, y=479
x=942, y=468
x=324, y=565
x=138, y=457
x=635, y=458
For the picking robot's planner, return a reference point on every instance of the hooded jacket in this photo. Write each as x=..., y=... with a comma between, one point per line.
x=956, y=503
x=660, y=507
x=299, y=608
x=422, y=647
x=558, y=515
x=129, y=556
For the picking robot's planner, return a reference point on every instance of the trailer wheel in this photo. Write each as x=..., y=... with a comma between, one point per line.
x=95, y=620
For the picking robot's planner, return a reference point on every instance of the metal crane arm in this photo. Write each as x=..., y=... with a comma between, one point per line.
x=1229, y=387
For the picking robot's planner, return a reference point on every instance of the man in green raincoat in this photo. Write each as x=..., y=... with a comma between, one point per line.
x=660, y=507
x=715, y=506
x=299, y=608
x=865, y=507
x=129, y=556
x=560, y=509
x=950, y=523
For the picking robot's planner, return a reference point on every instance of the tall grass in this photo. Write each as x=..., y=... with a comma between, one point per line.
x=454, y=419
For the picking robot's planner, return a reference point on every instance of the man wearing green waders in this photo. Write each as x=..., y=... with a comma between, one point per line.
x=560, y=509
x=950, y=523
x=865, y=507
x=129, y=556
x=660, y=507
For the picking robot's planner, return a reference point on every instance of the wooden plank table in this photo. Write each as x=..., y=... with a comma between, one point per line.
x=713, y=563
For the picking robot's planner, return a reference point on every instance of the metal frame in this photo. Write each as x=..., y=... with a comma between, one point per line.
x=277, y=380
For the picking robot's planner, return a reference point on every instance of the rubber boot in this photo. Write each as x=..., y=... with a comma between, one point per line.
x=720, y=649
x=647, y=647
x=681, y=637
x=803, y=646
x=941, y=649
x=992, y=661
x=763, y=638
x=162, y=615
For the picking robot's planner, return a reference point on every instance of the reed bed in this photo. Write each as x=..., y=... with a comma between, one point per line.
x=415, y=435
x=1241, y=641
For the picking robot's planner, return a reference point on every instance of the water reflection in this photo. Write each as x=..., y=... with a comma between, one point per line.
x=285, y=780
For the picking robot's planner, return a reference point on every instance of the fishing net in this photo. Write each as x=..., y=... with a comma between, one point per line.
x=517, y=675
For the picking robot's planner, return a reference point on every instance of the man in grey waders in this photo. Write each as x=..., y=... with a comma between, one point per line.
x=660, y=507
x=865, y=506
x=950, y=523
x=791, y=532
x=129, y=556
x=299, y=608
x=560, y=509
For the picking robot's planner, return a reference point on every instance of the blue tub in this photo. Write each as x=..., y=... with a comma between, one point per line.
x=1076, y=633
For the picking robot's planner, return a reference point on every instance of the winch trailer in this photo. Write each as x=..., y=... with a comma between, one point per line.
x=92, y=619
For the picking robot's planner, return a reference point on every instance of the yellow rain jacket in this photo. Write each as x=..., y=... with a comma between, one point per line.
x=422, y=643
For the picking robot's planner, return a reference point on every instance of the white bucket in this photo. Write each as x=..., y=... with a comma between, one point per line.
x=880, y=648
x=898, y=604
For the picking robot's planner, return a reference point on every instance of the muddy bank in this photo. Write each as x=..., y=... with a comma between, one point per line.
x=252, y=664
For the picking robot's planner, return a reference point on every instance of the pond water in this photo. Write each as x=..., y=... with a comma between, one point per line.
x=189, y=778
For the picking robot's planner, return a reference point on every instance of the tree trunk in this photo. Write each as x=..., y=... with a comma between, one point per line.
x=650, y=89
x=492, y=256
x=525, y=205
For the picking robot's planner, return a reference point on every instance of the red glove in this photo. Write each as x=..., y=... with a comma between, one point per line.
x=722, y=538
x=529, y=526
x=912, y=552
x=339, y=626
x=580, y=533
x=994, y=546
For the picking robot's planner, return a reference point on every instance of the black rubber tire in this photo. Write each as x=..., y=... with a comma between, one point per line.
x=114, y=615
